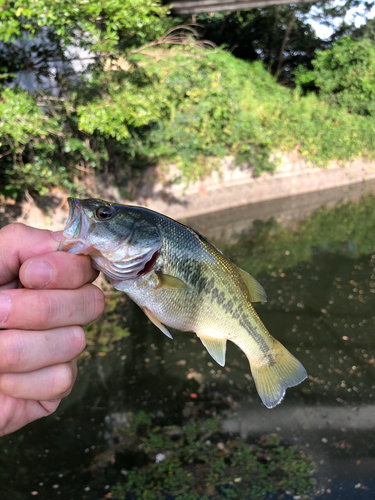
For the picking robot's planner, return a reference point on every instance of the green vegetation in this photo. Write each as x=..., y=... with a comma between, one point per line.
x=199, y=461
x=39, y=131
x=211, y=104
x=147, y=98
x=281, y=36
x=99, y=26
x=344, y=76
x=37, y=152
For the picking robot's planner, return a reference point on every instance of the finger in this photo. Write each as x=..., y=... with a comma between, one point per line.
x=15, y=283
x=26, y=351
x=51, y=383
x=57, y=270
x=19, y=243
x=17, y=413
x=47, y=309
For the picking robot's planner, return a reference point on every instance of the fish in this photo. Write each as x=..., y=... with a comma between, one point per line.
x=181, y=280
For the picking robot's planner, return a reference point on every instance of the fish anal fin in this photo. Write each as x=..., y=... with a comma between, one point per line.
x=216, y=347
x=278, y=370
x=256, y=291
x=167, y=281
x=156, y=322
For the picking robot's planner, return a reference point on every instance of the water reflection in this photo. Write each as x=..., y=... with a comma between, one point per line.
x=319, y=274
x=229, y=224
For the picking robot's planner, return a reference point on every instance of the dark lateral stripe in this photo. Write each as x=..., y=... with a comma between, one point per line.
x=237, y=313
x=245, y=323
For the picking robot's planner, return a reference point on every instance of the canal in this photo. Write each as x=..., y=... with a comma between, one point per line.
x=315, y=256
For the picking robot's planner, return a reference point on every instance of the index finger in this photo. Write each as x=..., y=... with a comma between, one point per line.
x=18, y=243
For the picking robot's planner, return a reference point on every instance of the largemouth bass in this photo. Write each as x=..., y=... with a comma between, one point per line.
x=181, y=280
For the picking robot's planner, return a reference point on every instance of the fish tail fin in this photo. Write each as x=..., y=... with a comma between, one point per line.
x=277, y=371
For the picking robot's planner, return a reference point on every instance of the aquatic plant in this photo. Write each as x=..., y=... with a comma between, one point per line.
x=201, y=461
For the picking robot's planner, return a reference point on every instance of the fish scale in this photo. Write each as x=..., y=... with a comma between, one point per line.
x=183, y=281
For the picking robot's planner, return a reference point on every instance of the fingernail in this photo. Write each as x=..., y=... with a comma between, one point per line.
x=57, y=235
x=5, y=304
x=38, y=274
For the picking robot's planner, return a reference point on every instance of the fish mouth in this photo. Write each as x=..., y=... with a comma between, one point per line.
x=74, y=210
x=76, y=229
x=118, y=258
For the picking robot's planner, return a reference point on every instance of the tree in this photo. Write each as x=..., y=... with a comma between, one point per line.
x=344, y=75
x=41, y=41
x=367, y=30
x=97, y=25
x=47, y=37
x=139, y=99
x=280, y=36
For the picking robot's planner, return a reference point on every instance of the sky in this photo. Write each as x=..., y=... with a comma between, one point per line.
x=356, y=14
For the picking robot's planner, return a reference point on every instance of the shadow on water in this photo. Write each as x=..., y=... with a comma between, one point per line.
x=318, y=268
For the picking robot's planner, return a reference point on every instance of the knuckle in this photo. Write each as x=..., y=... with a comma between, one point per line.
x=64, y=379
x=99, y=301
x=7, y=384
x=63, y=261
x=76, y=268
x=11, y=350
x=50, y=406
x=80, y=270
x=12, y=230
x=45, y=311
x=77, y=340
x=95, y=303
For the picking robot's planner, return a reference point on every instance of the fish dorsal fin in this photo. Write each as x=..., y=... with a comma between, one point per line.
x=256, y=291
x=216, y=347
x=202, y=239
x=156, y=322
x=167, y=281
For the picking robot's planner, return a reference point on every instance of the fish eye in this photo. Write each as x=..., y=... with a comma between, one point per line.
x=105, y=212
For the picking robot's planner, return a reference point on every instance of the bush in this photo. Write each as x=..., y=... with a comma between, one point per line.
x=38, y=149
x=210, y=104
x=344, y=76
x=40, y=142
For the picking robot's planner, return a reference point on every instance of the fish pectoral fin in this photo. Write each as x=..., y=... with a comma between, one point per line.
x=216, y=347
x=156, y=322
x=277, y=371
x=167, y=281
x=257, y=293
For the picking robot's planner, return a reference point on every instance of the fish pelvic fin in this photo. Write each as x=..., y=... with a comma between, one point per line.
x=156, y=322
x=216, y=347
x=278, y=370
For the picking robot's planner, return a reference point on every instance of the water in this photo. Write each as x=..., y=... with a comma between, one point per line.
x=318, y=269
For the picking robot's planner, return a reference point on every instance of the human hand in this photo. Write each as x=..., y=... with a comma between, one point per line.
x=40, y=325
